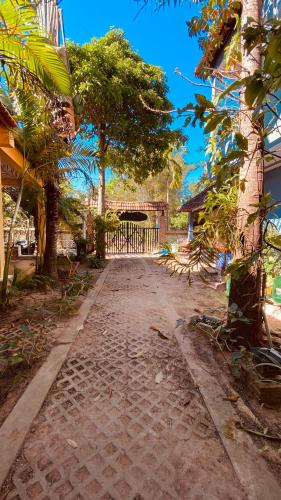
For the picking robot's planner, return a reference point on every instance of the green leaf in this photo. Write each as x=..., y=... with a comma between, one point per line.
x=252, y=217
x=242, y=141
x=233, y=86
x=254, y=88
x=274, y=48
x=15, y=360
x=203, y=101
x=213, y=121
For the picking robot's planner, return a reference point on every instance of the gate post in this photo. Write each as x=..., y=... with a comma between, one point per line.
x=163, y=221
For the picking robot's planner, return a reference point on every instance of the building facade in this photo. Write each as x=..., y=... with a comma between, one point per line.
x=213, y=61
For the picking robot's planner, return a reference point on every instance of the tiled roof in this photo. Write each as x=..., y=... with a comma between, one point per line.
x=195, y=203
x=213, y=51
x=6, y=118
x=145, y=206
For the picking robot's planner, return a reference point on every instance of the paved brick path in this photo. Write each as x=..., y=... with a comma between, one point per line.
x=107, y=430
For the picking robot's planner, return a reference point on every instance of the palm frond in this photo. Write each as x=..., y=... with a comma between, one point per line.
x=25, y=49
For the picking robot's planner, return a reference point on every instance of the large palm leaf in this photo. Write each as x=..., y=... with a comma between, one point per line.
x=25, y=51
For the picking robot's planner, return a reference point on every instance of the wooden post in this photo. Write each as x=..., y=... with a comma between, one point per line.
x=2, y=250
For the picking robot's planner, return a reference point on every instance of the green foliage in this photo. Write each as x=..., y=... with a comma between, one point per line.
x=94, y=262
x=179, y=221
x=107, y=222
x=79, y=284
x=109, y=79
x=33, y=282
x=10, y=355
x=27, y=57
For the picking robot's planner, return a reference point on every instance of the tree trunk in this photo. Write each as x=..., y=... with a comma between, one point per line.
x=246, y=290
x=100, y=237
x=52, y=209
x=101, y=192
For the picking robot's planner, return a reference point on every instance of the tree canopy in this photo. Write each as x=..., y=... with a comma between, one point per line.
x=109, y=81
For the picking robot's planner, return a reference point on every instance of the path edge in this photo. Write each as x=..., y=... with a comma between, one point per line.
x=17, y=424
x=250, y=468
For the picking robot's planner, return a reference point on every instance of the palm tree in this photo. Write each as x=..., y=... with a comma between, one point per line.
x=57, y=161
x=26, y=54
x=50, y=158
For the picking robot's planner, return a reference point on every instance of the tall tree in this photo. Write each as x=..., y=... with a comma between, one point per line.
x=246, y=290
x=111, y=82
x=250, y=75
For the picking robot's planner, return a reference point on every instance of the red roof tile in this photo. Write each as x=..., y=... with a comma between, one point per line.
x=196, y=202
x=145, y=206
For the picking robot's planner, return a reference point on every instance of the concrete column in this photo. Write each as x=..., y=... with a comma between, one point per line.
x=190, y=227
x=163, y=220
x=2, y=251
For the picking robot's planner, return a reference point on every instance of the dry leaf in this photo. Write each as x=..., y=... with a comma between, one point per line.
x=154, y=329
x=228, y=429
x=105, y=332
x=162, y=336
x=138, y=355
x=97, y=398
x=263, y=448
x=72, y=443
x=232, y=397
x=159, y=377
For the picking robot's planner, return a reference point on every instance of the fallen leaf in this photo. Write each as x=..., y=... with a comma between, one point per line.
x=197, y=310
x=228, y=429
x=154, y=329
x=232, y=397
x=138, y=355
x=105, y=332
x=159, y=377
x=97, y=398
x=72, y=443
x=110, y=392
x=162, y=336
x=263, y=448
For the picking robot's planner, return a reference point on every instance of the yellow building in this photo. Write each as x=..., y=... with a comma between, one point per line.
x=12, y=168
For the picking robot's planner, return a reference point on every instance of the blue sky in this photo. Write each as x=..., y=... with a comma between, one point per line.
x=161, y=38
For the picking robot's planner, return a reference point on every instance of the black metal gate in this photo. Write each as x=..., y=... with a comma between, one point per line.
x=131, y=238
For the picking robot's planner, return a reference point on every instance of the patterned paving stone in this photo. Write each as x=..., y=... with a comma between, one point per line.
x=107, y=429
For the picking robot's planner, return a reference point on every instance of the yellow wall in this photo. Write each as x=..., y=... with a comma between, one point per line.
x=2, y=254
x=14, y=158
